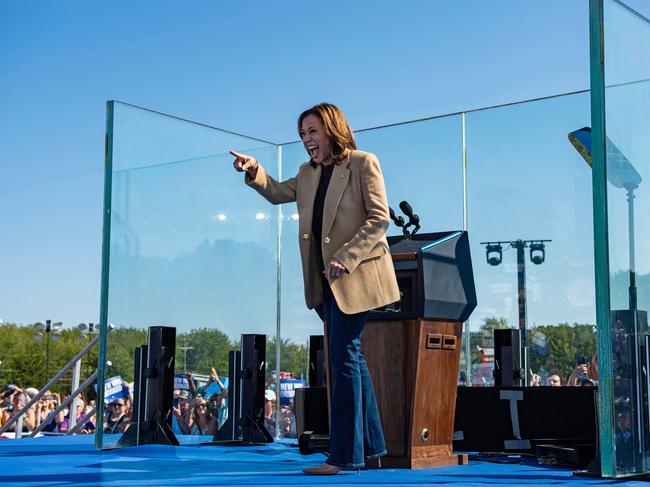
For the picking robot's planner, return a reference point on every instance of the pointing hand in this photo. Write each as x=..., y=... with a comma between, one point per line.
x=245, y=163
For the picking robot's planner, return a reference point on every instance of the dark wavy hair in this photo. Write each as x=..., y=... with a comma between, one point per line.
x=336, y=127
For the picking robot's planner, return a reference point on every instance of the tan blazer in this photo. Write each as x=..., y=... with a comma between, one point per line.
x=355, y=220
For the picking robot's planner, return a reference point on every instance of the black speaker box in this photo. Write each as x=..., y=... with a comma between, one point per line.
x=311, y=410
x=502, y=419
x=508, y=371
x=316, y=361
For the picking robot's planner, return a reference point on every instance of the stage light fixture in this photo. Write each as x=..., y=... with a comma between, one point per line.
x=494, y=254
x=537, y=252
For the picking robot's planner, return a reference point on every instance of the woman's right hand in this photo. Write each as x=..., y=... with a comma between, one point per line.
x=245, y=163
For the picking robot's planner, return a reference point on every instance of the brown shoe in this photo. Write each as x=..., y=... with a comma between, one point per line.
x=324, y=469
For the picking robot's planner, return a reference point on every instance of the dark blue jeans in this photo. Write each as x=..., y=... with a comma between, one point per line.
x=355, y=430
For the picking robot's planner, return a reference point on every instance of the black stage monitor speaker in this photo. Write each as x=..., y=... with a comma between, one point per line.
x=502, y=419
x=435, y=277
x=508, y=366
x=316, y=361
x=153, y=390
x=311, y=410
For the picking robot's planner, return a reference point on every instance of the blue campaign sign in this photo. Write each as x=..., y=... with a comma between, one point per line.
x=181, y=382
x=115, y=388
x=215, y=388
x=288, y=390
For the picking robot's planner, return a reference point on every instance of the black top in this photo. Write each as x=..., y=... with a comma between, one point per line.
x=319, y=207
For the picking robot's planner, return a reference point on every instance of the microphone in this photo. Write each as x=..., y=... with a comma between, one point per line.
x=398, y=220
x=408, y=211
x=414, y=219
x=406, y=208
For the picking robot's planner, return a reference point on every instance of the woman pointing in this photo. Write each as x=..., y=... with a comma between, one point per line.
x=347, y=268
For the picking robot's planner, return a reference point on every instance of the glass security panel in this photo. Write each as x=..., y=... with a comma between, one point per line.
x=421, y=163
x=627, y=122
x=190, y=247
x=527, y=183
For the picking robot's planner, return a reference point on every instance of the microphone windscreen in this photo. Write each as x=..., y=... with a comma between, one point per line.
x=406, y=208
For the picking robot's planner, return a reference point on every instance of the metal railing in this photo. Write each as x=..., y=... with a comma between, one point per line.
x=75, y=362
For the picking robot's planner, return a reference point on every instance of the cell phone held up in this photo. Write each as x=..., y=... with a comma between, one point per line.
x=581, y=360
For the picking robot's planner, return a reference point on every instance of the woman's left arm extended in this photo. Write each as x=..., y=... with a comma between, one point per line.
x=370, y=232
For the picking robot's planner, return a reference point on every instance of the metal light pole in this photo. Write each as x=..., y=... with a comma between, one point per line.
x=47, y=329
x=537, y=256
x=185, y=349
x=87, y=331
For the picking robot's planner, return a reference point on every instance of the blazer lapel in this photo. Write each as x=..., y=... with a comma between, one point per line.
x=309, y=186
x=338, y=183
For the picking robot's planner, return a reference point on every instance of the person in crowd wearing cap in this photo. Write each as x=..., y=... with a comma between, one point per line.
x=182, y=411
x=6, y=402
x=343, y=216
x=269, y=407
x=31, y=392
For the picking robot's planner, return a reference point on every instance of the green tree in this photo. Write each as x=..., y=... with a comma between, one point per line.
x=294, y=357
x=120, y=350
x=564, y=343
x=484, y=337
x=492, y=323
x=210, y=347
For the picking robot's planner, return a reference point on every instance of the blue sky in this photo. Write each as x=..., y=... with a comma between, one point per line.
x=250, y=67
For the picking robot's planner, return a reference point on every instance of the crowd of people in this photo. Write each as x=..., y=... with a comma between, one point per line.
x=45, y=410
x=200, y=409
x=585, y=374
x=287, y=423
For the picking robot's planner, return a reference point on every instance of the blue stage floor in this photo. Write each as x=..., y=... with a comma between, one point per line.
x=54, y=461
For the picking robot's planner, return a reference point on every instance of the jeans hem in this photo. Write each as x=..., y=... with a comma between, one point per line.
x=345, y=465
x=377, y=455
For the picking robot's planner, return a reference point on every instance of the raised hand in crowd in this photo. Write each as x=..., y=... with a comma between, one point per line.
x=535, y=379
x=584, y=373
x=190, y=381
x=214, y=377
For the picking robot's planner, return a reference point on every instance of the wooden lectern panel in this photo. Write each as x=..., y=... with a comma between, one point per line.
x=414, y=366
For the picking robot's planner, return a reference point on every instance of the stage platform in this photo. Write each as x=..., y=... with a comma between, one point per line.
x=72, y=461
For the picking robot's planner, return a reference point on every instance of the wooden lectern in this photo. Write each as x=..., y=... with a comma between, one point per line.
x=414, y=367
x=413, y=350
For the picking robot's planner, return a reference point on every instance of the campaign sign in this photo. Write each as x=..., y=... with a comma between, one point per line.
x=540, y=343
x=215, y=388
x=114, y=389
x=288, y=390
x=181, y=382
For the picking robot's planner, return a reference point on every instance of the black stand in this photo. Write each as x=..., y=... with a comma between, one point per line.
x=252, y=421
x=245, y=423
x=153, y=390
